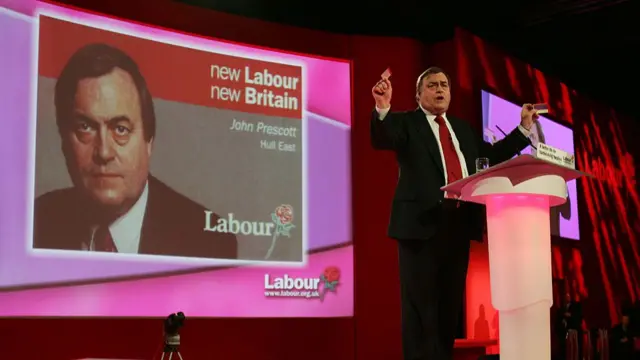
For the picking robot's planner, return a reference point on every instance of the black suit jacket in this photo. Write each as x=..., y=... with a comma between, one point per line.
x=621, y=350
x=173, y=225
x=573, y=322
x=418, y=200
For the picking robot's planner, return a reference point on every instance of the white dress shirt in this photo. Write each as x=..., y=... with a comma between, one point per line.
x=382, y=113
x=126, y=230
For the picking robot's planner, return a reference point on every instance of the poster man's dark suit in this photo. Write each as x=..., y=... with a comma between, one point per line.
x=173, y=225
x=433, y=233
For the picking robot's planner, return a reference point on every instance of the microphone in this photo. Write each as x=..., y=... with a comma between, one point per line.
x=502, y=131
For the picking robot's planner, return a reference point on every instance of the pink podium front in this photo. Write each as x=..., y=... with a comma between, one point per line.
x=518, y=194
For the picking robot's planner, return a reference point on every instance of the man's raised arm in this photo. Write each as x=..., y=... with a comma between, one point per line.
x=387, y=130
x=514, y=142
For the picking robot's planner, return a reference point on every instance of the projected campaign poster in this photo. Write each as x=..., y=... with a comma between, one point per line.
x=166, y=161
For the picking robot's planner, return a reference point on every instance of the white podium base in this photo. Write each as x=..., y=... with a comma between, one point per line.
x=525, y=333
x=520, y=267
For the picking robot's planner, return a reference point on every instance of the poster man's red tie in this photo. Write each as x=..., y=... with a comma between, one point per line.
x=102, y=240
x=454, y=170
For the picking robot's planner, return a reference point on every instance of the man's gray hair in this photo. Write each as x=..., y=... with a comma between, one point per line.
x=430, y=71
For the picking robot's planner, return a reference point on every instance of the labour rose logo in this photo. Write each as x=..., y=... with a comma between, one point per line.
x=330, y=279
x=283, y=218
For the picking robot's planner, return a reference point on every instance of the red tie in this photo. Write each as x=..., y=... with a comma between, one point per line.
x=454, y=170
x=102, y=240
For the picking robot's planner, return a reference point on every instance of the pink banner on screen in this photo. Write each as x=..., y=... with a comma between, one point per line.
x=199, y=294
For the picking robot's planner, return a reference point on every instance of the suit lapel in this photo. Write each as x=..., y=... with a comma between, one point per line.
x=79, y=231
x=426, y=133
x=153, y=225
x=160, y=234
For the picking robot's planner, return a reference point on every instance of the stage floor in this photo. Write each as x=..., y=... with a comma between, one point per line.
x=468, y=349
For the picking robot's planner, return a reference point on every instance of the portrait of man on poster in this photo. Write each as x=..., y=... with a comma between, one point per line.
x=106, y=121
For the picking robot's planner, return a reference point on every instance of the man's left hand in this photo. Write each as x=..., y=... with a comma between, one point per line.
x=528, y=116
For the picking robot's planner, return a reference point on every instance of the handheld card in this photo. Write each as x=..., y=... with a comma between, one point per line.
x=386, y=74
x=541, y=108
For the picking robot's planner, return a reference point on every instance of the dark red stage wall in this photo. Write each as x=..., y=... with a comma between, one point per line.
x=594, y=268
x=603, y=269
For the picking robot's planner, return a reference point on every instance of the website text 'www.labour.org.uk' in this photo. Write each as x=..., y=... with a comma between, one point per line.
x=290, y=293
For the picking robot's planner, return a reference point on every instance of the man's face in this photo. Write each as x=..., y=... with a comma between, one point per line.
x=106, y=153
x=434, y=94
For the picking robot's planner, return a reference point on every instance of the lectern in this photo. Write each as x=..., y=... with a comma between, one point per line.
x=518, y=194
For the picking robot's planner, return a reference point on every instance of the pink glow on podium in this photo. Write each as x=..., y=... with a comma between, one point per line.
x=520, y=267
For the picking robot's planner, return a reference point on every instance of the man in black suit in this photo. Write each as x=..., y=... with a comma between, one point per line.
x=433, y=230
x=570, y=319
x=622, y=342
x=106, y=121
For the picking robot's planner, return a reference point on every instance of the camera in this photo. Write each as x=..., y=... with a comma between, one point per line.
x=172, y=325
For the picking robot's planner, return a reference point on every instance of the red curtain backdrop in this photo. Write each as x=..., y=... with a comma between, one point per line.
x=602, y=268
